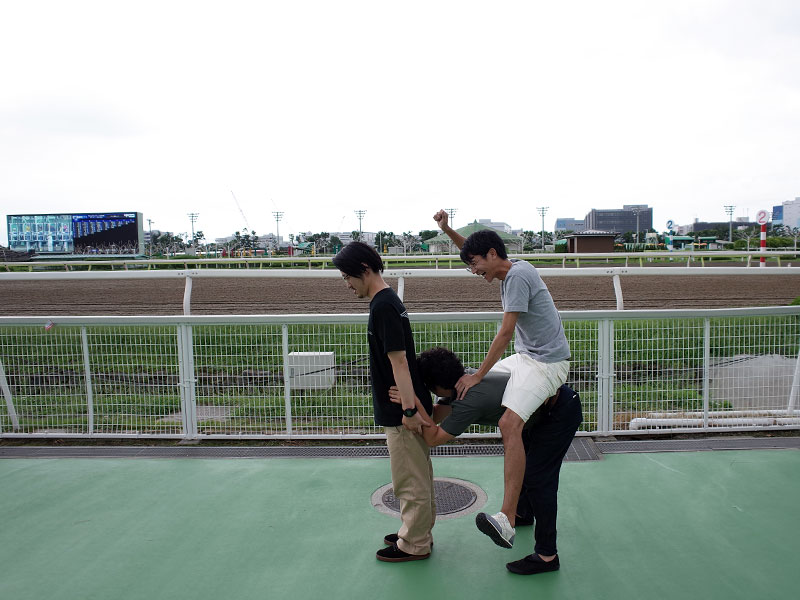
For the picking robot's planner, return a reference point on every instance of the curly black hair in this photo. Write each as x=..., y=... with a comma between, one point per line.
x=440, y=367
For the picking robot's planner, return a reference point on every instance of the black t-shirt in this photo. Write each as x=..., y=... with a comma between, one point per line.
x=389, y=330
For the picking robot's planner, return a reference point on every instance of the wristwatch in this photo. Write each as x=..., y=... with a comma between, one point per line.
x=410, y=412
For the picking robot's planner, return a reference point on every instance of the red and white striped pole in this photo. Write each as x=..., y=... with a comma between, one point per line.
x=761, y=218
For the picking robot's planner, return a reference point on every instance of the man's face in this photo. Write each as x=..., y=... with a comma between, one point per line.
x=485, y=266
x=357, y=285
x=441, y=392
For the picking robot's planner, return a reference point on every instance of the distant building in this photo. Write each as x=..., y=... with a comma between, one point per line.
x=791, y=213
x=697, y=226
x=368, y=237
x=777, y=215
x=622, y=220
x=566, y=224
x=504, y=227
x=441, y=244
x=591, y=241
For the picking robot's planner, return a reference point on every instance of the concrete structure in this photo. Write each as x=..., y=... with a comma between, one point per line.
x=591, y=241
x=622, y=220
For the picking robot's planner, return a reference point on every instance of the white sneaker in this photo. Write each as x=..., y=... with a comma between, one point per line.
x=496, y=527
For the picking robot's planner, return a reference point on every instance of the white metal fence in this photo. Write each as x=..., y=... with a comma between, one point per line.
x=307, y=376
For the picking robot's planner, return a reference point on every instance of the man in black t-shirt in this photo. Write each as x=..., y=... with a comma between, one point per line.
x=393, y=362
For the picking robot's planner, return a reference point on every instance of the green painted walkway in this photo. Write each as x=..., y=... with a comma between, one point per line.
x=672, y=525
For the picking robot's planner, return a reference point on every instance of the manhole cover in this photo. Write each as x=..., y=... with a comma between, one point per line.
x=454, y=498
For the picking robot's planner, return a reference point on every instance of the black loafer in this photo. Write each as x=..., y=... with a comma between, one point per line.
x=394, y=554
x=532, y=564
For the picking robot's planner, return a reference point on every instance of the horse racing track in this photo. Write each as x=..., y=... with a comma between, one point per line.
x=295, y=296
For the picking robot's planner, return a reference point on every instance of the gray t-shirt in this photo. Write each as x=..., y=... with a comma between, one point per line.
x=481, y=405
x=539, y=332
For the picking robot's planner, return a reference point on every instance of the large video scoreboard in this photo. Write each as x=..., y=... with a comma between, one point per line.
x=84, y=233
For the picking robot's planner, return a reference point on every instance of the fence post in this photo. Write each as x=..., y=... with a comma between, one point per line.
x=287, y=386
x=12, y=413
x=401, y=287
x=618, y=292
x=187, y=296
x=605, y=376
x=706, y=368
x=187, y=382
x=87, y=374
x=795, y=387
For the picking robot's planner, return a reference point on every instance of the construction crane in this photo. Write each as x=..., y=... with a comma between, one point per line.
x=246, y=224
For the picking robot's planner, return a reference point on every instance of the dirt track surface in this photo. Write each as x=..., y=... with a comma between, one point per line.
x=287, y=296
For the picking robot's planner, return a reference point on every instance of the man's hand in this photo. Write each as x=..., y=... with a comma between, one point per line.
x=416, y=423
x=394, y=395
x=441, y=219
x=466, y=382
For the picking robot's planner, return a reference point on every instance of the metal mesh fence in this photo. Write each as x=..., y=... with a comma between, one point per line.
x=245, y=377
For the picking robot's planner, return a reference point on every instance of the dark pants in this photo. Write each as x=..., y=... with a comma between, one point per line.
x=546, y=442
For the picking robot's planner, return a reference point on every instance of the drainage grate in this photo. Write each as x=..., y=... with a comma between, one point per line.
x=723, y=443
x=454, y=498
x=581, y=449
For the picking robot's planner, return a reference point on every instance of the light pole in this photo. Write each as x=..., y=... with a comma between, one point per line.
x=360, y=214
x=636, y=211
x=451, y=213
x=729, y=209
x=542, y=211
x=278, y=216
x=150, y=245
x=193, y=218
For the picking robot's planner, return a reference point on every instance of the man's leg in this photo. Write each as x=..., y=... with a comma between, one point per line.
x=412, y=482
x=547, y=443
x=514, y=463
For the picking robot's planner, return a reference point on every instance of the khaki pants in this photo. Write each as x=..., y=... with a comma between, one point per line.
x=412, y=480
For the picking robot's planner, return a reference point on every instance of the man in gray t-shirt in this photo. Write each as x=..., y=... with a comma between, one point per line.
x=536, y=370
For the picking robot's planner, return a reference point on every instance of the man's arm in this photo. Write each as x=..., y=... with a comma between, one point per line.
x=402, y=378
x=441, y=219
x=440, y=411
x=435, y=436
x=499, y=345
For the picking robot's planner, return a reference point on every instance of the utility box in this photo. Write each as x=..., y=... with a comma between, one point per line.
x=311, y=370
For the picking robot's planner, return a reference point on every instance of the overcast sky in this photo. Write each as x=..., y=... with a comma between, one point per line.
x=321, y=108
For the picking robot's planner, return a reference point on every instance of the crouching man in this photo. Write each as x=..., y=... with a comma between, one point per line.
x=546, y=437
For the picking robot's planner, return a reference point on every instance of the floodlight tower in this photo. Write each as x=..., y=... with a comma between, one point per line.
x=150, y=227
x=729, y=209
x=278, y=216
x=193, y=218
x=636, y=210
x=451, y=213
x=360, y=214
x=542, y=211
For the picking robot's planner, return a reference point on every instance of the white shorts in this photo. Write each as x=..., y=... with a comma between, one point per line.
x=530, y=383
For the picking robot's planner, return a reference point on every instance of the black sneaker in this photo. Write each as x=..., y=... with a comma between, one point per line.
x=390, y=539
x=532, y=564
x=394, y=554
